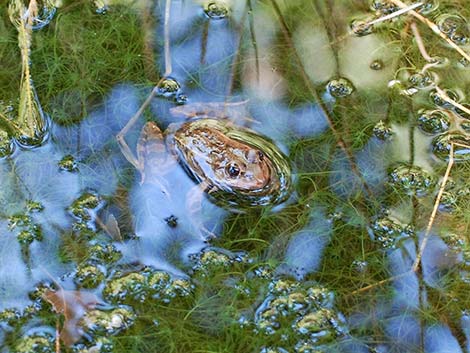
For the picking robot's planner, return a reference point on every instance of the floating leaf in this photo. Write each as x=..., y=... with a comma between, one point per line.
x=73, y=305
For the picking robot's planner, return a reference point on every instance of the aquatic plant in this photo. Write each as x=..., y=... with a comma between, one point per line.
x=366, y=98
x=30, y=127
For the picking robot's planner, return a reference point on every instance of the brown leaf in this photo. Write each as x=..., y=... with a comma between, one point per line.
x=73, y=305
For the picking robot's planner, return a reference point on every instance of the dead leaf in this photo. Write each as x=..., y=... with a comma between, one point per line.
x=73, y=305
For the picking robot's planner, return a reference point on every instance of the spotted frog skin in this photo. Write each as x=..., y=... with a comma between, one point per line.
x=233, y=164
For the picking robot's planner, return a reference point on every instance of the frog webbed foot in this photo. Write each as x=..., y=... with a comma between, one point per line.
x=235, y=112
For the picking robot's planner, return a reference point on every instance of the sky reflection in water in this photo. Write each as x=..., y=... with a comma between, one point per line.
x=150, y=240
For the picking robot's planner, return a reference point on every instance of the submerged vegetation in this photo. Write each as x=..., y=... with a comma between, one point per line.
x=368, y=99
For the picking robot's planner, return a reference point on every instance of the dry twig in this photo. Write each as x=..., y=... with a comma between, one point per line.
x=433, y=27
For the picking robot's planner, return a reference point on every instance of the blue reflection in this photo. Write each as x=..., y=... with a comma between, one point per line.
x=404, y=332
x=162, y=244
x=437, y=261
x=371, y=164
x=305, y=249
x=35, y=175
x=14, y=277
x=439, y=339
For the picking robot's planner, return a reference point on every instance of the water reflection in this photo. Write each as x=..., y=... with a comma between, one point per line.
x=361, y=202
x=161, y=244
x=305, y=249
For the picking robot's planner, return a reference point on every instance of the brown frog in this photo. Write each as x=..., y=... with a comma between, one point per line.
x=236, y=166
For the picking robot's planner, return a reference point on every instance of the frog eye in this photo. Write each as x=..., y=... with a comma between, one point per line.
x=233, y=170
x=260, y=155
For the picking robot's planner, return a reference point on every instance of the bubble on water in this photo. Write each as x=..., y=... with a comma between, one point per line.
x=454, y=242
x=320, y=296
x=340, y=87
x=399, y=87
x=168, y=87
x=282, y=286
x=448, y=202
x=40, y=340
x=455, y=27
x=422, y=79
x=108, y=323
x=465, y=125
x=463, y=112
x=68, y=163
x=264, y=272
x=104, y=253
x=439, y=100
x=216, y=10
x=34, y=206
x=389, y=231
x=181, y=99
x=316, y=324
x=27, y=230
x=433, y=121
x=103, y=10
x=305, y=308
x=297, y=301
x=359, y=266
x=45, y=15
x=377, y=65
x=411, y=180
x=383, y=7
x=362, y=27
x=460, y=38
x=32, y=310
x=209, y=261
x=179, y=287
x=84, y=209
x=97, y=345
x=382, y=131
x=428, y=6
x=463, y=63
x=128, y=288
x=89, y=275
x=449, y=23
x=27, y=236
x=441, y=146
x=158, y=282
x=84, y=230
x=9, y=317
x=172, y=221
x=37, y=294
x=19, y=220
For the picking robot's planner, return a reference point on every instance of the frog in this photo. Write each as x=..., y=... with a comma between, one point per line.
x=233, y=165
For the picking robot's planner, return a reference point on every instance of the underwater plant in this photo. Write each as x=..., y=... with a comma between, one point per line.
x=30, y=126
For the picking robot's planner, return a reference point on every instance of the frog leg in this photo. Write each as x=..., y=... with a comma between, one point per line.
x=232, y=111
x=194, y=200
x=153, y=156
x=125, y=149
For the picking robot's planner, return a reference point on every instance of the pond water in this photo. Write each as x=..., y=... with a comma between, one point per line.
x=234, y=176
